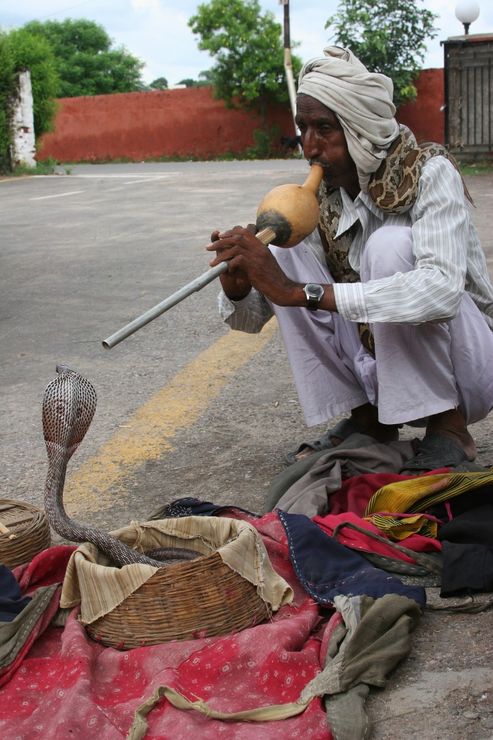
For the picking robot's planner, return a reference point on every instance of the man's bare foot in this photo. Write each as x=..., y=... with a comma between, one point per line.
x=365, y=420
x=451, y=424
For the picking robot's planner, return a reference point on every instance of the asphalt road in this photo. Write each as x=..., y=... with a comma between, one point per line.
x=185, y=407
x=84, y=254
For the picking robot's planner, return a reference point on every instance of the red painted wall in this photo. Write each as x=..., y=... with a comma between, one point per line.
x=137, y=126
x=425, y=116
x=190, y=123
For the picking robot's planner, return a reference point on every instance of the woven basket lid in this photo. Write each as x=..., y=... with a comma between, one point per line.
x=24, y=531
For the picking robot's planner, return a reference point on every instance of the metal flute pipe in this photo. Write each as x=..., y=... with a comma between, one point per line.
x=265, y=235
x=192, y=287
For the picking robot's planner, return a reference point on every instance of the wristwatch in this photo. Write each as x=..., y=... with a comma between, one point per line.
x=314, y=294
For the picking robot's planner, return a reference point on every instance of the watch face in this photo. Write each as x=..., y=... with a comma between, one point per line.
x=314, y=291
x=314, y=294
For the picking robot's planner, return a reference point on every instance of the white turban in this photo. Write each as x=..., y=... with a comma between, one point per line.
x=361, y=100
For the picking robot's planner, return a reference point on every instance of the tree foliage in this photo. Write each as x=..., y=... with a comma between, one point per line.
x=19, y=51
x=205, y=78
x=248, y=51
x=160, y=83
x=388, y=36
x=7, y=88
x=86, y=62
x=31, y=52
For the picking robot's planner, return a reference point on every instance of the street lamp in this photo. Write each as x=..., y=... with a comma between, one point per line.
x=288, y=66
x=466, y=12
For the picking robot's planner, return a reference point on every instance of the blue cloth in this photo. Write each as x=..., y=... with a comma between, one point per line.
x=11, y=600
x=327, y=569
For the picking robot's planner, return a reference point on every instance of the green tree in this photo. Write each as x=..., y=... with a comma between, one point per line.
x=205, y=78
x=388, y=36
x=161, y=83
x=31, y=52
x=7, y=88
x=188, y=82
x=19, y=51
x=247, y=47
x=86, y=62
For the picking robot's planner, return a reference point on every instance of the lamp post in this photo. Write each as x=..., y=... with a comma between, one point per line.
x=466, y=12
x=288, y=67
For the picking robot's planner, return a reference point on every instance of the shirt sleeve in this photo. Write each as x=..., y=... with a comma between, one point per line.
x=440, y=222
x=248, y=315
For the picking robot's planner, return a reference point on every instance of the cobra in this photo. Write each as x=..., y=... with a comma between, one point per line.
x=69, y=404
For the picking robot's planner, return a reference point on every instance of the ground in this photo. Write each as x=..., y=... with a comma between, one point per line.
x=184, y=407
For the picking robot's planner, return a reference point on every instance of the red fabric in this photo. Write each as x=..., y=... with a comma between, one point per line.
x=355, y=492
x=69, y=686
x=359, y=541
x=45, y=569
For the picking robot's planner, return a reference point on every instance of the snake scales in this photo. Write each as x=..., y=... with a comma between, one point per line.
x=393, y=188
x=69, y=404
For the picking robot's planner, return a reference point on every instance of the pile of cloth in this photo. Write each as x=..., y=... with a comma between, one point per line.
x=357, y=571
x=355, y=491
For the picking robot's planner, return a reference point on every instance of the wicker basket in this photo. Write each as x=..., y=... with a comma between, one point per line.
x=187, y=600
x=28, y=532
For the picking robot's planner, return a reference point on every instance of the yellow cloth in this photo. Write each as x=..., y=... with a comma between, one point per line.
x=417, y=494
x=399, y=529
x=99, y=587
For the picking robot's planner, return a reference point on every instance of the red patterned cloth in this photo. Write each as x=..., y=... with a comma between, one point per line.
x=45, y=569
x=70, y=687
x=41, y=579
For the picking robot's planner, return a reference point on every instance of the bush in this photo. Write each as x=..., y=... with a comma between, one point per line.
x=266, y=143
x=7, y=92
x=34, y=53
x=20, y=51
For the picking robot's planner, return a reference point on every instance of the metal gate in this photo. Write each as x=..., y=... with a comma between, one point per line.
x=469, y=96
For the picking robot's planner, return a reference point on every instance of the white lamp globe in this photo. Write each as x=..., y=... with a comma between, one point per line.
x=467, y=11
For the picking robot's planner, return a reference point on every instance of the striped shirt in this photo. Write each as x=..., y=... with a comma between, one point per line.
x=448, y=260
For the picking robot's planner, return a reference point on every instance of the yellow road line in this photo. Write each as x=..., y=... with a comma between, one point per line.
x=149, y=432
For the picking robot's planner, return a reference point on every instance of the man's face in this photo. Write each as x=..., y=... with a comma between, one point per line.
x=324, y=142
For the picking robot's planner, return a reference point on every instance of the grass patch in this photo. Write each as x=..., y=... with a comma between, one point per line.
x=484, y=167
x=41, y=168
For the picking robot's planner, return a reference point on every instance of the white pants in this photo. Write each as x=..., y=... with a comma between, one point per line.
x=417, y=371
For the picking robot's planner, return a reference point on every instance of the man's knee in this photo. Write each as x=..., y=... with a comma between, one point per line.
x=387, y=251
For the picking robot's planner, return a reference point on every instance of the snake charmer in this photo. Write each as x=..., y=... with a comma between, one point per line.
x=386, y=309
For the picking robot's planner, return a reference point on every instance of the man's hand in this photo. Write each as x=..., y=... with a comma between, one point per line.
x=235, y=283
x=252, y=264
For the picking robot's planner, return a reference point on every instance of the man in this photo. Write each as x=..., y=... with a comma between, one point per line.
x=386, y=310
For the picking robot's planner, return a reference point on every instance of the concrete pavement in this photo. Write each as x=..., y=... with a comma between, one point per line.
x=183, y=410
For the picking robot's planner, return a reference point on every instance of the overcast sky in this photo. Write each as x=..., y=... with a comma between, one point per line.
x=156, y=31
